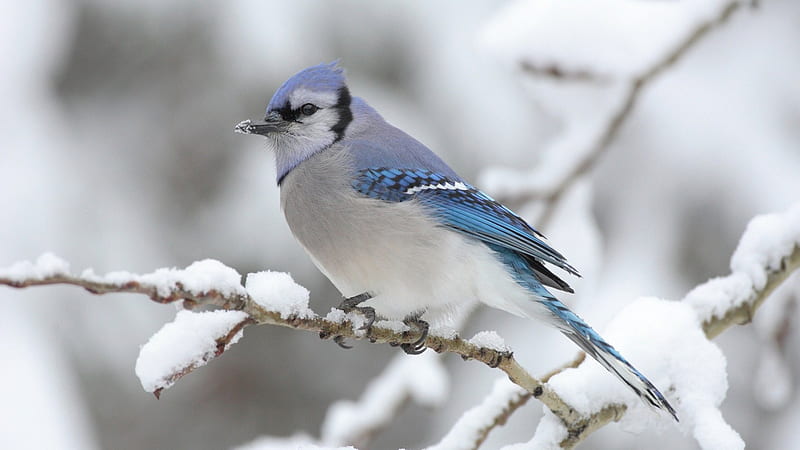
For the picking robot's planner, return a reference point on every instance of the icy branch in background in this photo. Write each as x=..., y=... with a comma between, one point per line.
x=422, y=379
x=592, y=88
x=474, y=425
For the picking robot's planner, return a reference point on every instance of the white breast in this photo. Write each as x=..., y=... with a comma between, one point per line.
x=391, y=250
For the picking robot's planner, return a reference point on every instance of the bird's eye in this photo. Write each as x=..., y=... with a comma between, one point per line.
x=308, y=109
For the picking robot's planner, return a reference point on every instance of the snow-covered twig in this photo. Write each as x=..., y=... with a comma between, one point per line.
x=474, y=425
x=744, y=312
x=512, y=190
x=422, y=379
x=768, y=253
x=189, y=342
x=211, y=283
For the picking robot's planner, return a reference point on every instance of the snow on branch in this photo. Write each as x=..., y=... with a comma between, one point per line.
x=185, y=344
x=422, y=378
x=768, y=253
x=670, y=340
x=475, y=424
x=673, y=349
x=268, y=298
x=632, y=43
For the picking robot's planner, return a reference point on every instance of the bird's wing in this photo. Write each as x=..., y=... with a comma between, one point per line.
x=462, y=208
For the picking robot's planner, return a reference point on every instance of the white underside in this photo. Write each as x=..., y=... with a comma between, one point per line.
x=393, y=250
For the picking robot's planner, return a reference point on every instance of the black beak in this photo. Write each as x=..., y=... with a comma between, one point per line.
x=271, y=124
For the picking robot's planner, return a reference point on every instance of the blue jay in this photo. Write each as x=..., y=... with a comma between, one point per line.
x=398, y=232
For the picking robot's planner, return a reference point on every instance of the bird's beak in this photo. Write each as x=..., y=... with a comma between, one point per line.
x=271, y=124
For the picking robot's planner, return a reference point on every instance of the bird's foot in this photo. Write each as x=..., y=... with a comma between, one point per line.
x=418, y=346
x=351, y=304
x=341, y=342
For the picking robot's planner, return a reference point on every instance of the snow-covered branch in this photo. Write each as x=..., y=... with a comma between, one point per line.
x=267, y=298
x=768, y=253
x=586, y=139
x=422, y=379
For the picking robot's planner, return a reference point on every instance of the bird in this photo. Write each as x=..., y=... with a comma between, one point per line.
x=399, y=233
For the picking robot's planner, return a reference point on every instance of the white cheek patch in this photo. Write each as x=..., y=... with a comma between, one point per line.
x=316, y=127
x=302, y=96
x=457, y=186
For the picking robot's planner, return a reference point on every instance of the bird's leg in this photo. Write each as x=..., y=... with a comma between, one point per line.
x=418, y=346
x=351, y=304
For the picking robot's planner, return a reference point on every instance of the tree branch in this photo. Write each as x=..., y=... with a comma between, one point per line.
x=551, y=196
x=743, y=314
x=325, y=328
x=578, y=426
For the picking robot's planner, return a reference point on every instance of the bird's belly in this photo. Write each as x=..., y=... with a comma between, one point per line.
x=388, y=250
x=392, y=250
x=408, y=264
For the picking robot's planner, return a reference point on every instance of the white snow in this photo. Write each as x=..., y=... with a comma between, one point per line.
x=626, y=37
x=47, y=265
x=199, y=278
x=465, y=432
x=396, y=326
x=277, y=291
x=549, y=433
x=490, y=340
x=664, y=341
x=718, y=295
x=336, y=315
x=189, y=341
x=444, y=331
x=422, y=378
x=767, y=240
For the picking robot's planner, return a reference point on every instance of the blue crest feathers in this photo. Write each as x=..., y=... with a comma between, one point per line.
x=322, y=77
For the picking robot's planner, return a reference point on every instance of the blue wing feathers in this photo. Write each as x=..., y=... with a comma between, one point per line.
x=467, y=210
x=464, y=209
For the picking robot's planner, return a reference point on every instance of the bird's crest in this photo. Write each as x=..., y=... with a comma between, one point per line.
x=320, y=78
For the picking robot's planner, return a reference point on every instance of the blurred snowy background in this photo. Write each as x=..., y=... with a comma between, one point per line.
x=117, y=151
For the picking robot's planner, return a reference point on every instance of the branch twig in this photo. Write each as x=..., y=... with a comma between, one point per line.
x=325, y=328
x=712, y=327
x=578, y=426
x=551, y=197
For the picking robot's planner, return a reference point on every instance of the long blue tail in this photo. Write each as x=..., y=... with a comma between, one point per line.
x=595, y=346
x=531, y=274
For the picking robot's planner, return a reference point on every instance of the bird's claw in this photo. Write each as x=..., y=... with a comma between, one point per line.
x=418, y=346
x=341, y=342
x=351, y=304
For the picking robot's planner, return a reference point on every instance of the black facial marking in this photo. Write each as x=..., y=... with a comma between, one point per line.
x=287, y=113
x=345, y=115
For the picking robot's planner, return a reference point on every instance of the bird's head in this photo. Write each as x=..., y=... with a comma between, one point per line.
x=308, y=113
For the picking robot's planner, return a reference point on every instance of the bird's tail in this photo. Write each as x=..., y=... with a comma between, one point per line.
x=590, y=342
